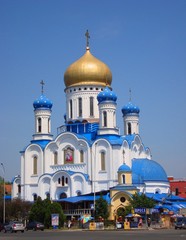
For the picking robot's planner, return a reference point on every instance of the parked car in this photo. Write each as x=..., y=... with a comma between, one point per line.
x=14, y=226
x=180, y=223
x=1, y=226
x=35, y=226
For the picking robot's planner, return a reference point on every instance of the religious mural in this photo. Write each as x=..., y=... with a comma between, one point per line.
x=68, y=156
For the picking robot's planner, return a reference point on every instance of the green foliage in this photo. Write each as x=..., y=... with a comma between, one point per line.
x=42, y=209
x=141, y=200
x=123, y=212
x=101, y=208
x=53, y=208
x=37, y=211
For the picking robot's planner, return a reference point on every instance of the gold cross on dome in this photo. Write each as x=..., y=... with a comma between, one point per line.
x=87, y=37
x=42, y=85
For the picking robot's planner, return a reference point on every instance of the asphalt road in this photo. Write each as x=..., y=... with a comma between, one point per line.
x=97, y=235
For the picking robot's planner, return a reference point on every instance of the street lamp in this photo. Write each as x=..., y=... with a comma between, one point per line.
x=3, y=192
x=94, y=180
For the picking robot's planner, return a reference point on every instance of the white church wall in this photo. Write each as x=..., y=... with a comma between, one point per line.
x=152, y=187
x=74, y=93
x=44, y=186
x=31, y=152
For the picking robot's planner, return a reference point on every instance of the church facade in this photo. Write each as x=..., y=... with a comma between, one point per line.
x=88, y=154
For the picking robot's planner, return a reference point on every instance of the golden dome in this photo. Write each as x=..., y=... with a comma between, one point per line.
x=88, y=70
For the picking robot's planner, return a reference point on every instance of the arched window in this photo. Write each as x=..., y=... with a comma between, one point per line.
x=157, y=191
x=91, y=106
x=62, y=195
x=63, y=181
x=102, y=161
x=19, y=188
x=114, y=119
x=123, y=179
x=59, y=180
x=81, y=156
x=39, y=124
x=104, y=119
x=55, y=158
x=48, y=195
x=48, y=125
x=78, y=193
x=66, y=180
x=35, y=197
x=129, y=128
x=71, y=108
x=35, y=165
x=80, y=106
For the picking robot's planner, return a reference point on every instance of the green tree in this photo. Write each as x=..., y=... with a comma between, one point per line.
x=141, y=200
x=42, y=209
x=53, y=208
x=37, y=211
x=101, y=208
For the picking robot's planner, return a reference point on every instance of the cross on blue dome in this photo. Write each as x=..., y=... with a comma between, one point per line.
x=106, y=95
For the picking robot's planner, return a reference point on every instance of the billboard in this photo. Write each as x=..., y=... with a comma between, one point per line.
x=55, y=219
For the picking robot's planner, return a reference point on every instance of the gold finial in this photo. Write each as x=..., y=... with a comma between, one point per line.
x=42, y=86
x=130, y=94
x=87, y=39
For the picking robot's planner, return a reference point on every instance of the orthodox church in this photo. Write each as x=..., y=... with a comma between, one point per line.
x=88, y=154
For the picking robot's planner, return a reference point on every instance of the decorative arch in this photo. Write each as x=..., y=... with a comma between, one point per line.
x=157, y=191
x=34, y=197
x=62, y=195
x=78, y=193
x=47, y=195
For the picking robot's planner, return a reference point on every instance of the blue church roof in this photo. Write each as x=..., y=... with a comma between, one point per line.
x=147, y=170
x=124, y=168
x=130, y=108
x=42, y=102
x=106, y=95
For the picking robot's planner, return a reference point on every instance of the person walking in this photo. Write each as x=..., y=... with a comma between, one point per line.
x=69, y=224
x=148, y=222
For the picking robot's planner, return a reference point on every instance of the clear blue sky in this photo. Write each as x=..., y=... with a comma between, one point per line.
x=142, y=41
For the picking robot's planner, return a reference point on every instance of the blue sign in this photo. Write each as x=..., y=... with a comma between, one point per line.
x=154, y=210
x=140, y=210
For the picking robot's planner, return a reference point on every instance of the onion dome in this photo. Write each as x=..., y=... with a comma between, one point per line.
x=42, y=102
x=130, y=108
x=106, y=95
x=144, y=169
x=124, y=168
x=87, y=70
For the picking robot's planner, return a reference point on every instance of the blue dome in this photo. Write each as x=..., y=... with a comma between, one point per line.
x=42, y=102
x=147, y=170
x=130, y=108
x=106, y=95
x=124, y=168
